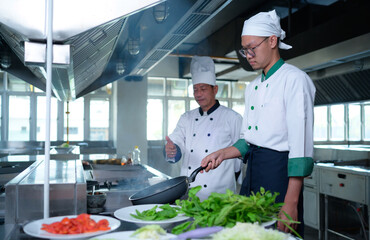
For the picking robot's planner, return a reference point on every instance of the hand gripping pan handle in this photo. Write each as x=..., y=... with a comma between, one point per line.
x=192, y=176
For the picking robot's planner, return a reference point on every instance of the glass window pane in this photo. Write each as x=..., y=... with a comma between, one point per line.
x=41, y=118
x=354, y=117
x=18, y=85
x=190, y=90
x=223, y=89
x=321, y=123
x=367, y=122
x=76, y=120
x=337, y=122
x=154, y=123
x=175, y=109
x=155, y=86
x=193, y=104
x=99, y=120
x=238, y=107
x=237, y=89
x=224, y=103
x=177, y=87
x=19, y=121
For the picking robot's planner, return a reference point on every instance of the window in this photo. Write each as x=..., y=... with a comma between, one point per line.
x=367, y=122
x=354, y=122
x=344, y=122
x=29, y=123
x=176, y=95
x=337, y=123
x=74, y=124
x=99, y=119
x=154, y=120
x=19, y=121
x=177, y=87
x=175, y=109
x=156, y=86
x=238, y=107
x=41, y=118
x=321, y=123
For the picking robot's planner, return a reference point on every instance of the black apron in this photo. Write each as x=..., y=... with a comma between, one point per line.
x=268, y=168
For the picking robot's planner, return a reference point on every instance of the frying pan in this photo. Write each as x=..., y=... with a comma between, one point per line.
x=165, y=192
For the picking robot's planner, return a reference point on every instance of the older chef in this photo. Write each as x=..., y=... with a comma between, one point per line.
x=277, y=122
x=204, y=130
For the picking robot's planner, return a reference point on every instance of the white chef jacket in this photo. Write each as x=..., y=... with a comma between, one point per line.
x=279, y=112
x=197, y=136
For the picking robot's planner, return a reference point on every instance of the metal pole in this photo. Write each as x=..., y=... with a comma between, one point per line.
x=49, y=61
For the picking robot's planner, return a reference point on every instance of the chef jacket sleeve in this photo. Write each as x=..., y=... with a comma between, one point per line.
x=299, y=98
x=242, y=146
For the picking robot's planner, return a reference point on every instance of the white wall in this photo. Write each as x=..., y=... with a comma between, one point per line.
x=168, y=67
x=129, y=107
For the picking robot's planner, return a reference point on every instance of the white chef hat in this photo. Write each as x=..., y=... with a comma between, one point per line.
x=203, y=70
x=265, y=24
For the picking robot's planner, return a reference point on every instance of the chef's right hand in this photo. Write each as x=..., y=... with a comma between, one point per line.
x=213, y=160
x=170, y=148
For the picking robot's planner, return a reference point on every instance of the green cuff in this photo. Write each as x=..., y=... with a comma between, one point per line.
x=242, y=146
x=300, y=167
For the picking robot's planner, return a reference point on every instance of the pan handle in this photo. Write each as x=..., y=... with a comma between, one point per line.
x=194, y=174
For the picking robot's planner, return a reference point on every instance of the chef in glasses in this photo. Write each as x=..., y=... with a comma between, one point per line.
x=277, y=122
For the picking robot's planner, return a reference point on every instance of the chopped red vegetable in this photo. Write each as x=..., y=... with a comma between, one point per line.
x=81, y=224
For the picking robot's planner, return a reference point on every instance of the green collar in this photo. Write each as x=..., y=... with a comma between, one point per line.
x=272, y=70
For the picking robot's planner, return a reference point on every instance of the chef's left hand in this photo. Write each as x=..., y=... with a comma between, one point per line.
x=291, y=210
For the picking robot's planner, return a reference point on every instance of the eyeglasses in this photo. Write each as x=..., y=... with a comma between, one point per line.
x=250, y=51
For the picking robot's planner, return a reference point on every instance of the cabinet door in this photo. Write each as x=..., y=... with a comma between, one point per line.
x=310, y=205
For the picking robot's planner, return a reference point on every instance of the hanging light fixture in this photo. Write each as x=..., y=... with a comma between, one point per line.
x=120, y=67
x=161, y=12
x=5, y=59
x=133, y=45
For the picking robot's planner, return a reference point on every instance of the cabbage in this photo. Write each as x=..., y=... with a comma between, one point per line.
x=149, y=232
x=249, y=231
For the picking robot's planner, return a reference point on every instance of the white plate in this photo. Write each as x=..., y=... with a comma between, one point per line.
x=126, y=235
x=34, y=228
x=268, y=224
x=124, y=214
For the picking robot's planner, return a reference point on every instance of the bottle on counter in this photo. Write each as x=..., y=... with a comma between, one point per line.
x=136, y=156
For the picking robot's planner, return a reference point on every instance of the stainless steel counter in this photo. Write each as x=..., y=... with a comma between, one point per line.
x=24, y=193
x=68, y=188
x=343, y=181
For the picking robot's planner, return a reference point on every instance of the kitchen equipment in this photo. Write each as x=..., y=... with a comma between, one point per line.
x=165, y=192
x=346, y=180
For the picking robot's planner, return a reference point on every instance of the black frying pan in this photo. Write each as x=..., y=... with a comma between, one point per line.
x=165, y=192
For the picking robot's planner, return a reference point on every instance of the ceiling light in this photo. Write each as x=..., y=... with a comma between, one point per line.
x=161, y=12
x=120, y=68
x=5, y=59
x=134, y=45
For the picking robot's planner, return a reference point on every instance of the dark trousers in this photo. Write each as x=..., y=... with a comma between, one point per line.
x=269, y=169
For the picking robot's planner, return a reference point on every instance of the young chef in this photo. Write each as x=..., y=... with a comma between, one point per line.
x=278, y=120
x=204, y=130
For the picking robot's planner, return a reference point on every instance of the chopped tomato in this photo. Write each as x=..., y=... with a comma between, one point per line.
x=81, y=224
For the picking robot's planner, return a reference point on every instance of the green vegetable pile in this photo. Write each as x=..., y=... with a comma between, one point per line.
x=152, y=214
x=227, y=209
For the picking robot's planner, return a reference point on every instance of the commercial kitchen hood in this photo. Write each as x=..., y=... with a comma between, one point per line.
x=97, y=42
